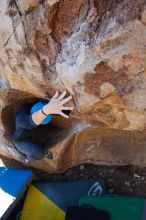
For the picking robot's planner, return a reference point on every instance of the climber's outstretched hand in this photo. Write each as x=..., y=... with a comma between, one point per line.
x=56, y=104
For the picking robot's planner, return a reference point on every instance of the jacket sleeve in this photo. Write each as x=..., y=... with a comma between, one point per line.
x=24, y=119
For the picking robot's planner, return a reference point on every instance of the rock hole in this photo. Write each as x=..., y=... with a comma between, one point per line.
x=51, y=133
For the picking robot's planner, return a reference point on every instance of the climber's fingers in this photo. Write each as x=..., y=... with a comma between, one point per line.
x=64, y=101
x=56, y=95
x=67, y=108
x=63, y=115
x=62, y=96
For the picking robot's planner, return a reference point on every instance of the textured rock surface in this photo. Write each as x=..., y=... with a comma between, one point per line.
x=26, y=5
x=94, y=49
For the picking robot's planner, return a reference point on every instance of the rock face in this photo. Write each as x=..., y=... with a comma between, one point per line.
x=96, y=50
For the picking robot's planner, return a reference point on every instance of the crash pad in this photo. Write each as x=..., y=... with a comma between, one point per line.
x=69, y=193
x=13, y=183
x=38, y=207
x=119, y=207
x=50, y=200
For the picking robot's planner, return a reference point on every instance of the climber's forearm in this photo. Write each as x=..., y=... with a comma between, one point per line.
x=38, y=116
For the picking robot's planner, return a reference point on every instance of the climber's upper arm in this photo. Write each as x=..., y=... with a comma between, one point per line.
x=24, y=119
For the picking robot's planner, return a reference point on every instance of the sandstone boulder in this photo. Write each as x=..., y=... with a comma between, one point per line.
x=96, y=50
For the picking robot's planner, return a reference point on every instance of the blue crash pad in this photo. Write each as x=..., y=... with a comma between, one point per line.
x=13, y=183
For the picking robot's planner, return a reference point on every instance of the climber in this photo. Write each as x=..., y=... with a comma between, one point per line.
x=31, y=116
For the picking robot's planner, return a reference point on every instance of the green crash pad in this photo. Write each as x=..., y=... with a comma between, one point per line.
x=119, y=207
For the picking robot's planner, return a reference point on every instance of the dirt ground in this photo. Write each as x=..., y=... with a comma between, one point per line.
x=129, y=181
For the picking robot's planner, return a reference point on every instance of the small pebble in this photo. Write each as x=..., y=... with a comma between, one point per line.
x=127, y=183
x=136, y=175
x=111, y=170
x=110, y=180
x=82, y=167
